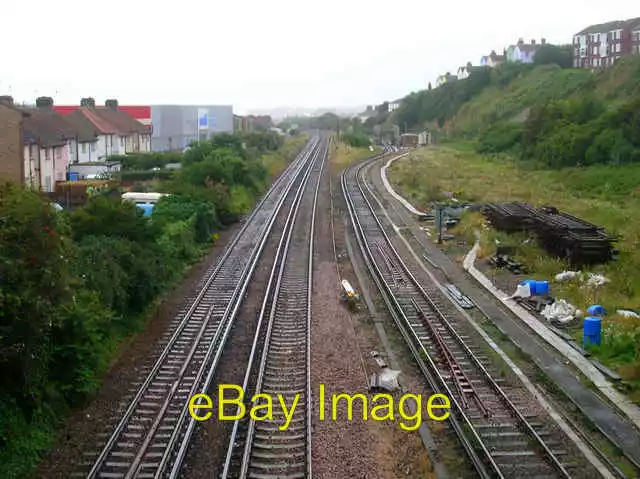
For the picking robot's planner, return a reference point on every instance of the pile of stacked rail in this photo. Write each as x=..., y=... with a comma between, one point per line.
x=561, y=234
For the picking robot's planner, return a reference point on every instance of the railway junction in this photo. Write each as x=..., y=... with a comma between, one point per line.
x=328, y=282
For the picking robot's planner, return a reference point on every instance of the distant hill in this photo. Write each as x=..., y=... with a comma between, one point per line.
x=281, y=113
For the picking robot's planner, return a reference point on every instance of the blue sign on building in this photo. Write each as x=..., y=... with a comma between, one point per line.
x=203, y=119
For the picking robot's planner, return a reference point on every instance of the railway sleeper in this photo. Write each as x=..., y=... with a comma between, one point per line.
x=280, y=446
x=284, y=465
x=272, y=456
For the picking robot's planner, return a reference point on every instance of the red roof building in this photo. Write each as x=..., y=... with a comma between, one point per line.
x=139, y=112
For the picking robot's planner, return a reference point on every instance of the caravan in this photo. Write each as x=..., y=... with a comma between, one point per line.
x=144, y=201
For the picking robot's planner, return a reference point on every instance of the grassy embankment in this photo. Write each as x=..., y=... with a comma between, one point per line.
x=537, y=126
x=344, y=155
x=606, y=195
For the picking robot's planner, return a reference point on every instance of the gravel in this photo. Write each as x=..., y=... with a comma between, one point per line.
x=340, y=346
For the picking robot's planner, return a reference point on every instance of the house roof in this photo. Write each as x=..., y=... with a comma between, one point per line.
x=121, y=120
x=528, y=47
x=42, y=128
x=64, y=125
x=84, y=128
x=100, y=124
x=614, y=25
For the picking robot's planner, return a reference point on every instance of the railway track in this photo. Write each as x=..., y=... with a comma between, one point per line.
x=152, y=433
x=279, y=362
x=501, y=427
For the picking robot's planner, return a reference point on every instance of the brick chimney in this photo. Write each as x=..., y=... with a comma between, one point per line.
x=44, y=102
x=533, y=41
x=88, y=102
x=543, y=41
x=6, y=100
x=520, y=41
x=113, y=104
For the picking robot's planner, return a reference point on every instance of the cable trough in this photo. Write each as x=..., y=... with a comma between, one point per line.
x=151, y=435
x=280, y=358
x=501, y=427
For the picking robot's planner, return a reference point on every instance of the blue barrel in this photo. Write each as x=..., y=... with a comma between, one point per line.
x=542, y=287
x=537, y=287
x=532, y=285
x=72, y=176
x=596, y=310
x=592, y=332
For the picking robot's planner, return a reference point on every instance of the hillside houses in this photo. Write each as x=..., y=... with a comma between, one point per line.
x=600, y=46
x=492, y=60
x=39, y=146
x=524, y=52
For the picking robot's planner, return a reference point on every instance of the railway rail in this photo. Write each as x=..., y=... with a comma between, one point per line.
x=151, y=436
x=279, y=362
x=500, y=427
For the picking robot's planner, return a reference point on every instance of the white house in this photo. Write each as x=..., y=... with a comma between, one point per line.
x=110, y=138
x=492, y=60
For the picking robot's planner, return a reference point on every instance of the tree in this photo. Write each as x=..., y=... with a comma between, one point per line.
x=560, y=55
x=429, y=85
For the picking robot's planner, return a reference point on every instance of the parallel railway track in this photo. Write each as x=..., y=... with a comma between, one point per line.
x=503, y=430
x=151, y=436
x=279, y=362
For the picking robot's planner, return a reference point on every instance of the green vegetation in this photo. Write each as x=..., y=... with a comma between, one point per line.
x=554, y=54
x=606, y=195
x=343, y=155
x=75, y=284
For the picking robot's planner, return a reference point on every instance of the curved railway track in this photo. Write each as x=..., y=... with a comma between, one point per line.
x=151, y=436
x=501, y=428
x=279, y=362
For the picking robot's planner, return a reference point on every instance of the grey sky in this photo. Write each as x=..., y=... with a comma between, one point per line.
x=256, y=53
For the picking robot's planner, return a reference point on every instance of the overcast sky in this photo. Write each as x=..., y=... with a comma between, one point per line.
x=262, y=54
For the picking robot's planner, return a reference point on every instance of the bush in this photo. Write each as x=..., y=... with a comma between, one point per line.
x=82, y=344
x=501, y=136
x=112, y=217
x=146, y=161
x=183, y=207
x=146, y=175
x=35, y=279
x=356, y=140
x=178, y=240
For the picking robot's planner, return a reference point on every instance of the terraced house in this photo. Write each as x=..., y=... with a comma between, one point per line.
x=11, y=141
x=600, y=46
x=40, y=146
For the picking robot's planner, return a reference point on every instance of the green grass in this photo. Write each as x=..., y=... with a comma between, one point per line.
x=276, y=162
x=544, y=84
x=344, y=155
x=605, y=195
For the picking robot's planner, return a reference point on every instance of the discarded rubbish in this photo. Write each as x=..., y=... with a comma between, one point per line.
x=458, y=297
x=594, y=279
x=625, y=313
x=566, y=275
x=379, y=359
x=560, y=311
x=590, y=279
x=522, y=291
x=387, y=379
x=505, y=261
x=536, y=303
